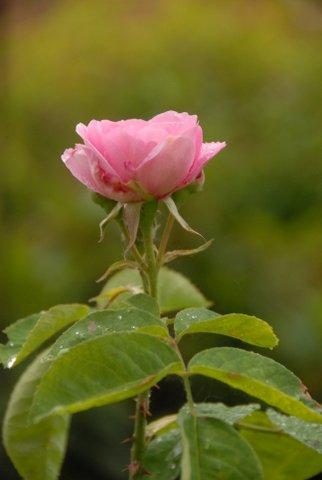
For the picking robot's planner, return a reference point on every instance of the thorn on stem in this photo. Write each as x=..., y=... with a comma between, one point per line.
x=127, y=440
x=144, y=407
x=133, y=468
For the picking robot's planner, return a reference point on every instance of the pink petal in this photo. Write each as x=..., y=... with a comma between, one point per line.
x=207, y=152
x=87, y=168
x=93, y=136
x=174, y=123
x=165, y=171
x=172, y=116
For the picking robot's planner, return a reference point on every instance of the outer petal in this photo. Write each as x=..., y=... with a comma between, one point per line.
x=165, y=171
x=207, y=152
x=174, y=123
x=86, y=167
x=172, y=116
x=93, y=135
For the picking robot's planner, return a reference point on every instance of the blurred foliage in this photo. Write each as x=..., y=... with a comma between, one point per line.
x=253, y=73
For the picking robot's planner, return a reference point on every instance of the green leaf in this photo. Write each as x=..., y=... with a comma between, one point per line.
x=308, y=433
x=162, y=457
x=256, y=375
x=27, y=335
x=220, y=411
x=243, y=327
x=282, y=457
x=141, y=315
x=213, y=449
x=175, y=291
x=36, y=450
x=103, y=370
x=144, y=302
x=17, y=334
x=161, y=425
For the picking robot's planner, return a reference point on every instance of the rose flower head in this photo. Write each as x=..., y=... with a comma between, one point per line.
x=136, y=160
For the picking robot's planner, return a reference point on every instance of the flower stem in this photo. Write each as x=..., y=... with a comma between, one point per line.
x=137, y=257
x=142, y=401
x=165, y=239
x=186, y=381
x=147, y=229
x=142, y=406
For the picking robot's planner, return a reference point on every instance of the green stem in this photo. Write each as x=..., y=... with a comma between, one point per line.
x=186, y=381
x=137, y=257
x=142, y=401
x=147, y=229
x=142, y=406
x=162, y=250
x=165, y=239
x=187, y=386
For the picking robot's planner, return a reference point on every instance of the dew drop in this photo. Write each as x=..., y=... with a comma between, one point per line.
x=11, y=362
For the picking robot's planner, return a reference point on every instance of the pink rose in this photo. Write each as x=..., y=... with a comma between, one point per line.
x=133, y=160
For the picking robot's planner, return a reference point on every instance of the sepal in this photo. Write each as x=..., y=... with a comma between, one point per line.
x=173, y=209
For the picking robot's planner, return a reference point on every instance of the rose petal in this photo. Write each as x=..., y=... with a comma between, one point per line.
x=93, y=136
x=207, y=152
x=165, y=171
x=86, y=167
x=172, y=116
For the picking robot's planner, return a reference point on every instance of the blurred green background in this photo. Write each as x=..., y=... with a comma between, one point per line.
x=252, y=71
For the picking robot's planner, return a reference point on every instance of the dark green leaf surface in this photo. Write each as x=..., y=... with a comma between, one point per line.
x=37, y=450
x=27, y=335
x=220, y=411
x=144, y=302
x=175, y=291
x=243, y=327
x=162, y=457
x=161, y=425
x=104, y=370
x=141, y=315
x=308, y=433
x=256, y=375
x=17, y=334
x=282, y=457
x=213, y=449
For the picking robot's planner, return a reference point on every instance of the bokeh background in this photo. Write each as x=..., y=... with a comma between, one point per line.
x=252, y=71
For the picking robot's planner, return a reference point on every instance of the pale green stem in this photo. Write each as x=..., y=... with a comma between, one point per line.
x=142, y=401
x=138, y=258
x=150, y=259
x=186, y=381
x=165, y=239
